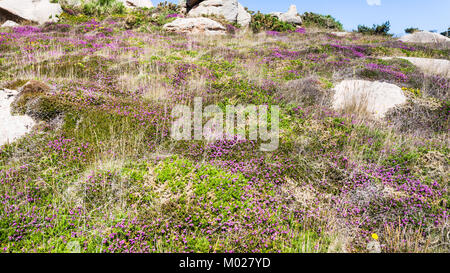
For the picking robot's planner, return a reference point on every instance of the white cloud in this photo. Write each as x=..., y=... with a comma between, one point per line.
x=374, y=2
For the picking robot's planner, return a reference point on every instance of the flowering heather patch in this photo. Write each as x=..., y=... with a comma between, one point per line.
x=100, y=170
x=388, y=70
x=26, y=30
x=300, y=30
x=285, y=54
x=350, y=51
x=174, y=15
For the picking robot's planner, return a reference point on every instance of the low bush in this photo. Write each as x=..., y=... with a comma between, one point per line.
x=266, y=22
x=382, y=29
x=311, y=19
x=412, y=30
x=102, y=7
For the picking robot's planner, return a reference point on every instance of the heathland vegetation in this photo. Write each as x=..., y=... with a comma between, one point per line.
x=100, y=171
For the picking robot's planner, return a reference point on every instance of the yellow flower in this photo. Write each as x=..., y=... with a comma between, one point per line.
x=375, y=236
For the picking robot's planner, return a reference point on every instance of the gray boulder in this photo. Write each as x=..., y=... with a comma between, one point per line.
x=291, y=16
x=187, y=5
x=231, y=10
x=425, y=37
x=243, y=17
x=195, y=26
x=360, y=96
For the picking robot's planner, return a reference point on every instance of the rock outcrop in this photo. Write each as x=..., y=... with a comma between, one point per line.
x=137, y=3
x=38, y=11
x=243, y=17
x=439, y=67
x=12, y=127
x=431, y=66
x=376, y=98
x=231, y=10
x=187, y=5
x=195, y=26
x=10, y=23
x=291, y=16
x=341, y=34
x=425, y=37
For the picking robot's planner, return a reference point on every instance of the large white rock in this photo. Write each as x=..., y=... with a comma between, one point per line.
x=231, y=10
x=39, y=11
x=439, y=67
x=376, y=97
x=10, y=23
x=137, y=3
x=195, y=26
x=425, y=37
x=243, y=17
x=341, y=33
x=12, y=127
x=291, y=16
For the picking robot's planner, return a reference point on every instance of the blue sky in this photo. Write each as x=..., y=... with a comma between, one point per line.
x=424, y=14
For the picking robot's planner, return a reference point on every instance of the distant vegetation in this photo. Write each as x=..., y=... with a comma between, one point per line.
x=266, y=22
x=382, y=29
x=311, y=19
x=411, y=30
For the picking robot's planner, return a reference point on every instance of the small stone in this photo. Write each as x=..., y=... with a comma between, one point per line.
x=374, y=247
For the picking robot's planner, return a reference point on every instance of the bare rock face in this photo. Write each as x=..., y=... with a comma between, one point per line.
x=431, y=66
x=439, y=67
x=38, y=11
x=10, y=23
x=226, y=8
x=187, y=5
x=291, y=16
x=243, y=17
x=425, y=37
x=12, y=127
x=341, y=34
x=137, y=3
x=376, y=98
x=195, y=26
x=231, y=10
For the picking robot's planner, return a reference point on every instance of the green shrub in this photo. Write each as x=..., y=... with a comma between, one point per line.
x=382, y=29
x=103, y=7
x=446, y=33
x=412, y=30
x=166, y=7
x=311, y=19
x=266, y=22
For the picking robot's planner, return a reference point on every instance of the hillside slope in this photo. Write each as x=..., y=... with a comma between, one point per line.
x=100, y=173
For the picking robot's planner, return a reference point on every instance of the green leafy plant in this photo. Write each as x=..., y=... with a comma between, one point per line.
x=103, y=7
x=266, y=22
x=311, y=19
x=382, y=29
x=412, y=30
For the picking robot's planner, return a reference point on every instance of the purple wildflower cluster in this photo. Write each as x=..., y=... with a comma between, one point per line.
x=387, y=69
x=351, y=50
